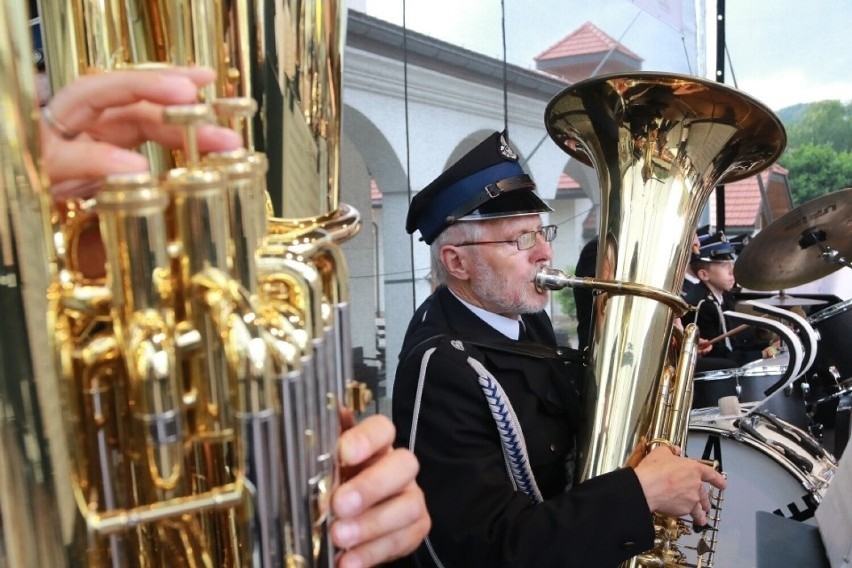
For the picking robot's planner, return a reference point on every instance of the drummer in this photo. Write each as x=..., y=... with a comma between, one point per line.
x=714, y=267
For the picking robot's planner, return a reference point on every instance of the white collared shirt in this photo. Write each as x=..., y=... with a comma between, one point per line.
x=510, y=327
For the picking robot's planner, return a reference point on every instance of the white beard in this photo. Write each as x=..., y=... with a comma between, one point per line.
x=493, y=288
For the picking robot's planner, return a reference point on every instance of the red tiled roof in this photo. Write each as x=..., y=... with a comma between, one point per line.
x=585, y=40
x=743, y=200
x=567, y=185
x=375, y=192
x=590, y=223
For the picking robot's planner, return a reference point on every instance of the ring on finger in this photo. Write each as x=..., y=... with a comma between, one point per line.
x=57, y=125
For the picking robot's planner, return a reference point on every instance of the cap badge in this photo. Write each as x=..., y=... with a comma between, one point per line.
x=506, y=150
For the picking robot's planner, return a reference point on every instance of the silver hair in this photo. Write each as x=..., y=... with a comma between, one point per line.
x=461, y=232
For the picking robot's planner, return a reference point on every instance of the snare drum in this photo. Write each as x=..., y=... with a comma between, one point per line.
x=834, y=325
x=759, y=479
x=749, y=383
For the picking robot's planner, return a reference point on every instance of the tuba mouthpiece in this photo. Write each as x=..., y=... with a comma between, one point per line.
x=548, y=278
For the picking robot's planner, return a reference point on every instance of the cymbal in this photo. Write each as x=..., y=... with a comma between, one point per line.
x=785, y=301
x=779, y=256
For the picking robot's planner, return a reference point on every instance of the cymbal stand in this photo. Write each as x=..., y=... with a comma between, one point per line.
x=811, y=237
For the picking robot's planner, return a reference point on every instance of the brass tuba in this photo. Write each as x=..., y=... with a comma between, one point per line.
x=181, y=408
x=659, y=144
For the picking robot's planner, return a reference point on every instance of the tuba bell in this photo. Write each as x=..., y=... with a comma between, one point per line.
x=179, y=407
x=659, y=144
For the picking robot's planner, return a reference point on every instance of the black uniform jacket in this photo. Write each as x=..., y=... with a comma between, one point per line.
x=745, y=346
x=478, y=518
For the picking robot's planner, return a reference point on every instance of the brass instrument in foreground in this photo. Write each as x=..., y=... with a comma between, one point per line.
x=659, y=143
x=179, y=409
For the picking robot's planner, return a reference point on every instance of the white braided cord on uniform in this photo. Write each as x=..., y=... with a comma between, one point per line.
x=514, y=446
x=721, y=319
x=418, y=397
x=421, y=379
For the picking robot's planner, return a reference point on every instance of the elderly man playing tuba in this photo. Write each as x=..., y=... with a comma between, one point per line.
x=490, y=415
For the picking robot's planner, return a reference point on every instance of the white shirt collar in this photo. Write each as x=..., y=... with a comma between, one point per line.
x=510, y=327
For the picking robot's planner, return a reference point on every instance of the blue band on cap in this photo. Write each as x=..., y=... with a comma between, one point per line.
x=711, y=252
x=435, y=217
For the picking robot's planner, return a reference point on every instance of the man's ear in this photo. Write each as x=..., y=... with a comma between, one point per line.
x=703, y=274
x=456, y=262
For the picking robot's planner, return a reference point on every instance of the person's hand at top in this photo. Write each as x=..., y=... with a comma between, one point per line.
x=379, y=510
x=90, y=127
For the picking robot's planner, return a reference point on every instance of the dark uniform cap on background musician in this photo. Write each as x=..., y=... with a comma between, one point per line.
x=705, y=236
x=709, y=238
x=486, y=183
x=739, y=242
x=38, y=48
x=716, y=251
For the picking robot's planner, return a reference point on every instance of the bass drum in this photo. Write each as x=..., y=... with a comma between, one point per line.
x=760, y=478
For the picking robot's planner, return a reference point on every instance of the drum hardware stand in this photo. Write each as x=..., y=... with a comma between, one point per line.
x=815, y=427
x=843, y=388
x=817, y=237
x=805, y=386
x=842, y=428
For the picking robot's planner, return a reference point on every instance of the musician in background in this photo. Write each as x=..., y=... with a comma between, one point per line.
x=690, y=280
x=584, y=301
x=87, y=132
x=714, y=267
x=584, y=298
x=490, y=415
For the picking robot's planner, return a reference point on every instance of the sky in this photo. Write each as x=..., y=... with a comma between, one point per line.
x=782, y=52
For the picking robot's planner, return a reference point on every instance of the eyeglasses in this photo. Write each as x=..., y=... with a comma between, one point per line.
x=524, y=241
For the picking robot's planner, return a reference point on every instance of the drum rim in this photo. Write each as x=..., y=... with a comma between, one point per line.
x=764, y=371
x=718, y=375
x=811, y=482
x=736, y=372
x=830, y=311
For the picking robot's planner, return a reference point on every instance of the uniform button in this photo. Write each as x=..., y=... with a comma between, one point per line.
x=553, y=447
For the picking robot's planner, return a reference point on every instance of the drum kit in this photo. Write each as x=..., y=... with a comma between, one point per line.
x=767, y=440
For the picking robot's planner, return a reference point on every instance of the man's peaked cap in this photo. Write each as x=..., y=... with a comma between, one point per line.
x=487, y=182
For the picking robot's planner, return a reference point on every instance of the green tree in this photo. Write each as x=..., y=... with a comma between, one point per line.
x=819, y=149
x=565, y=298
x=823, y=123
x=816, y=170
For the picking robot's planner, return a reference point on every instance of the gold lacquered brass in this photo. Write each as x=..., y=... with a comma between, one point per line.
x=659, y=143
x=178, y=406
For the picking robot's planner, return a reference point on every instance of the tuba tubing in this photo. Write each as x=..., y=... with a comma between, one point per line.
x=659, y=143
x=181, y=409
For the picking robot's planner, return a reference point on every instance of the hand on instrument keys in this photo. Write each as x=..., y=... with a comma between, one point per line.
x=676, y=486
x=90, y=126
x=379, y=511
x=88, y=131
